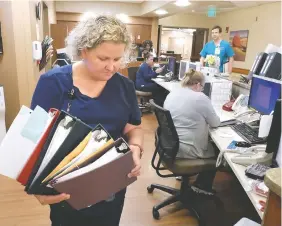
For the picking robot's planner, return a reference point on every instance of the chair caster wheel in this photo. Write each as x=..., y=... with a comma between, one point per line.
x=150, y=189
x=156, y=214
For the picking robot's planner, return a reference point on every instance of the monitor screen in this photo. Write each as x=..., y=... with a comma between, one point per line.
x=171, y=64
x=182, y=69
x=264, y=94
x=193, y=66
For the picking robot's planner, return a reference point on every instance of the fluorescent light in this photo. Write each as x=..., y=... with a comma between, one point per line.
x=182, y=3
x=161, y=12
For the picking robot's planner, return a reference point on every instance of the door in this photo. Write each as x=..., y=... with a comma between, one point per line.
x=199, y=39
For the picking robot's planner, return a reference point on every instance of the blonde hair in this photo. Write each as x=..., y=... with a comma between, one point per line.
x=93, y=30
x=193, y=77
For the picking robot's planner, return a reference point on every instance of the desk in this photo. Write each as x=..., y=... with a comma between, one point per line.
x=223, y=115
x=169, y=86
x=222, y=137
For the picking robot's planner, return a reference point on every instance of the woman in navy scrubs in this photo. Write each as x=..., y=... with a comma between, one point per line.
x=101, y=95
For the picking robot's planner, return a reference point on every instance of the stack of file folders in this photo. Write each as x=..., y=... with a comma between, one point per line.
x=55, y=151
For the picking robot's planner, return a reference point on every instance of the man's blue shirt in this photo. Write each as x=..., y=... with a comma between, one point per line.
x=226, y=51
x=114, y=108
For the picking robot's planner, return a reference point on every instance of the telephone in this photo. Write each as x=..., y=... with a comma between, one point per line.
x=253, y=155
x=240, y=103
x=233, y=148
x=228, y=105
x=237, y=105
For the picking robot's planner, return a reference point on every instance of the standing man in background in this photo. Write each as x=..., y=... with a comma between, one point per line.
x=219, y=48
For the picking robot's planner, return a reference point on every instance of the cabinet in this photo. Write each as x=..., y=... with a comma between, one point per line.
x=136, y=30
x=60, y=31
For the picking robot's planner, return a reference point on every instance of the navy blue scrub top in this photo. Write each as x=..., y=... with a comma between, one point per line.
x=114, y=108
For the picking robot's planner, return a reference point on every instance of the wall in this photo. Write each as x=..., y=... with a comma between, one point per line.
x=187, y=38
x=154, y=32
x=8, y=71
x=187, y=20
x=130, y=9
x=267, y=28
x=146, y=27
x=62, y=16
x=18, y=72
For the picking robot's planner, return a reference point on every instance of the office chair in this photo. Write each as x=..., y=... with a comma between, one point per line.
x=143, y=97
x=167, y=144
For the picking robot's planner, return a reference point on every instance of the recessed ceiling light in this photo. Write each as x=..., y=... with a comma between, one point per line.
x=182, y=3
x=193, y=11
x=161, y=12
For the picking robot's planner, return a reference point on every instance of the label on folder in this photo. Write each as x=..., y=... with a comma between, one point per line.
x=35, y=125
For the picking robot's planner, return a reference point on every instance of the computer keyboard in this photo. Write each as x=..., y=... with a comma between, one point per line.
x=247, y=133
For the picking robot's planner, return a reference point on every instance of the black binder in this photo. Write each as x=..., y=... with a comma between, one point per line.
x=76, y=135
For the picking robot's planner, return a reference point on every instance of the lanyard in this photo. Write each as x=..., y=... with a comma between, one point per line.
x=71, y=97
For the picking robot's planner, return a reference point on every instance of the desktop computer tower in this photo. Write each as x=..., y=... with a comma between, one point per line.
x=272, y=66
x=2, y=114
x=258, y=64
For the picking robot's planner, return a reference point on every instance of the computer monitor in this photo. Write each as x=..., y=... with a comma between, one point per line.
x=274, y=136
x=183, y=68
x=171, y=64
x=264, y=94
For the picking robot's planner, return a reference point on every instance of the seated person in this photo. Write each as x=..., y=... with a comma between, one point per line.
x=192, y=116
x=144, y=83
x=147, y=47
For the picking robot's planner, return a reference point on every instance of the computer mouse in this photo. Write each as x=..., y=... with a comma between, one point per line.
x=242, y=144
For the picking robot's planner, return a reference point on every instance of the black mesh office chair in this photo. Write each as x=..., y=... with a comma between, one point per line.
x=167, y=144
x=143, y=97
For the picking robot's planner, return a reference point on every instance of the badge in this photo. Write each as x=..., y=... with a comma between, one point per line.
x=217, y=51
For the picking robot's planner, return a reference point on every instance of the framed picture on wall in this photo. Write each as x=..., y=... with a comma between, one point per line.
x=239, y=41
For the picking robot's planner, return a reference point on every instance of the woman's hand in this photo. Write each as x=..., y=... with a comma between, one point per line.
x=159, y=70
x=51, y=199
x=137, y=161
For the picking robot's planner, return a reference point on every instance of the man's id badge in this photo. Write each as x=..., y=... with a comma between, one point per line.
x=217, y=51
